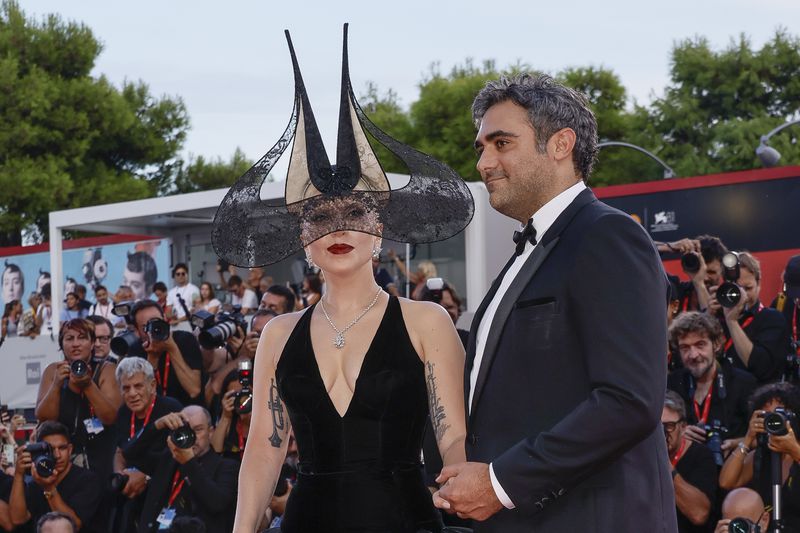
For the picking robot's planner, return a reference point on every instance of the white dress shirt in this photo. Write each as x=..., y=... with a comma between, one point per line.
x=542, y=220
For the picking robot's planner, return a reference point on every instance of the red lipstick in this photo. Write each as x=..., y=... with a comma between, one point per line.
x=340, y=249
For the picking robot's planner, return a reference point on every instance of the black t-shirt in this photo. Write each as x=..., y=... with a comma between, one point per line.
x=732, y=411
x=769, y=334
x=697, y=468
x=80, y=490
x=162, y=406
x=190, y=350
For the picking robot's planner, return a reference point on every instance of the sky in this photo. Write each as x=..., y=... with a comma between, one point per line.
x=229, y=61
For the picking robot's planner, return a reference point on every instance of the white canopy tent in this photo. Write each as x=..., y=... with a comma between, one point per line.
x=187, y=218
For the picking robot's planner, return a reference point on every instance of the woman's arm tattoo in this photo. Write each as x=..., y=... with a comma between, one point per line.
x=435, y=405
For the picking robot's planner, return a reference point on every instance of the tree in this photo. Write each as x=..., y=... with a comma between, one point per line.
x=202, y=175
x=68, y=139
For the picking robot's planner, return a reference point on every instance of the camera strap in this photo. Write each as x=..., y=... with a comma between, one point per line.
x=146, y=417
x=747, y=322
x=176, y=488
x=166, y=376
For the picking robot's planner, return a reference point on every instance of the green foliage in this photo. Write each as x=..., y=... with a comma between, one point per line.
x=68, y=139
x=202, y=175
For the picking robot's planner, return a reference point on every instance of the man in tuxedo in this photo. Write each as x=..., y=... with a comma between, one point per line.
x=565, y=372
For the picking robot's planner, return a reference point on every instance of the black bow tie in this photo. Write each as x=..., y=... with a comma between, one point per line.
x=527, y=234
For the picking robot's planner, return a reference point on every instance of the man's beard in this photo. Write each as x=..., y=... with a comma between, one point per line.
x=698, y=373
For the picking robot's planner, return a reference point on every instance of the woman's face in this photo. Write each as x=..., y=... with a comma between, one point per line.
x=77, y=345
x=12, y=285
x=205, y=292
x=342, y=252
x=72, y=302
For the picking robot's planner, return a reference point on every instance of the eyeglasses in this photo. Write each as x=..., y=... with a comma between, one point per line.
x=669, y=427
x=180, y=274
x=104, y=339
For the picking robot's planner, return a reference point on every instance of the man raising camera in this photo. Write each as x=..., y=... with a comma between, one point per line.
x=56, y=484
x=713, y=391
x=701, y=260
x=189, y=479
x=175, y=355
x=757, y=337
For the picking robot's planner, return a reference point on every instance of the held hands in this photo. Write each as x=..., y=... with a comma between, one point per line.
x=466, y=489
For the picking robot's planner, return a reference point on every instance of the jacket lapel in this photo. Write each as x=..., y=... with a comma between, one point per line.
x=526, y=273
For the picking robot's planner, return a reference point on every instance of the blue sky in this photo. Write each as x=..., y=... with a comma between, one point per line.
x=230, y=64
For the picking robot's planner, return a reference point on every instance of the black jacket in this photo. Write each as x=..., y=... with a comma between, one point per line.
x=568, y=400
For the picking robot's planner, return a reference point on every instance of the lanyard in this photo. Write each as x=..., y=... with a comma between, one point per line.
x=746, y=323
x=677, y=457
x=166, y=376
x=146, y=417
x=176, y=488
x=706, y=403
x=240, y=435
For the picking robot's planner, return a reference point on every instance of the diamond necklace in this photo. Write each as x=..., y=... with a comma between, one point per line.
x=338, y=340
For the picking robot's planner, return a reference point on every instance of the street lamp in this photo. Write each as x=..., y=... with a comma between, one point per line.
x=668, y=172
x=768, y=155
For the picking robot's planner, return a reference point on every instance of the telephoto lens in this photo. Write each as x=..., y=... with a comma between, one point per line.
x=743, y=525
x=690, y=263
x=79, y=368
x=183, y=437
x=123, y=344
x=118, y=482
x=158, y=329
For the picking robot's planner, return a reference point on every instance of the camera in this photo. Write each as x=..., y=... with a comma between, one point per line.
x=690, y=262
x=118, y=482
x=743, y=525
x=43, y=459
x=243, y=399
x=775, y=421
x=436, y=286
x=79, y=368
x=216, y=329
x=123, y=309
x=715, y=432
x=123, y=344
x=729, y=293
x=183, y=437
x=157, y=329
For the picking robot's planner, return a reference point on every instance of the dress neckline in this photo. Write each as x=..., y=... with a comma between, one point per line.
x=381, y=325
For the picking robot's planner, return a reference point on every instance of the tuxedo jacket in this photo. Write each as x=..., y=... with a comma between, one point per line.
x=568, y=399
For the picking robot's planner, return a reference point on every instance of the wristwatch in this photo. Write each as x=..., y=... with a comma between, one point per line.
x=743, y=448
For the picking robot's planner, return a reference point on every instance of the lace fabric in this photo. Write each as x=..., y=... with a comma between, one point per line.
x=354, y=194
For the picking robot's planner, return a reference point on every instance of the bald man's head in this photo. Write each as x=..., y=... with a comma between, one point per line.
x=745, y=503
x=200, y=420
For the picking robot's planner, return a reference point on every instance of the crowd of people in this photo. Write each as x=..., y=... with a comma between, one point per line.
x=729, y=415
x=107, y=452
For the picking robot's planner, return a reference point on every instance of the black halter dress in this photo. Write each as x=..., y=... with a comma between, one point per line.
x=359, y=472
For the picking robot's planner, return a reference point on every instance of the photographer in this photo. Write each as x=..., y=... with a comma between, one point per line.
x=241, y=347
x=757, y=336
x=241, y=295
x=788, y=303
x=233, y=425
x=278, y=299
x=750, y=464
x=81, y=392
x=701, y=261
x=176, y=359
x=743, y=504
x=191, y=480
x=56, y=484
x=694, y=473
x=713, y=391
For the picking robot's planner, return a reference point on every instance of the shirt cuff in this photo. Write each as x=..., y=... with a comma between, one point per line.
x=498, y=490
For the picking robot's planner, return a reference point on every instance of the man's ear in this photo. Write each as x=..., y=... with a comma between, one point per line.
x=561, y=144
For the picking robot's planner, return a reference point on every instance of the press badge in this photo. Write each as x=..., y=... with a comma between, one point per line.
x=93, y=425
x=165, y=518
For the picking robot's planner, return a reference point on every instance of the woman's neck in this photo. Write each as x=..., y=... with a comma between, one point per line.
x=346, y=292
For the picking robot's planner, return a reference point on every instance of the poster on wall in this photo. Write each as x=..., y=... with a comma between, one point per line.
x=137, y=264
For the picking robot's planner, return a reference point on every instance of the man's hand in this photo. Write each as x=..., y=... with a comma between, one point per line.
x=168, y=345
x=684, y=246
x=170, y=421
x=695, y=433
x=181, y=455
x=732, y=314
x=47, y=483
x=722, y=526
x=23, y=463
x=227, y=404
x=466, y=489
x=137, y=483
x=713, y=304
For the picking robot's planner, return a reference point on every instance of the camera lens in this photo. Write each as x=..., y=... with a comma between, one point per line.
x=158, y=329
x=79, y=368
x=775, y=424
x=45, y=465
x=690, y=263
x=740, y=525
x=729, y=294
x=215, y=337
x=121, y=345
x=183, y=437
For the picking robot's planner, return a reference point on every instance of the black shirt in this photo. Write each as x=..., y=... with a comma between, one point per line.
x=80, y=490
x=732, y=411
x=697, y=468
x=769, y=334
x=190, y=350
x=162, y=406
